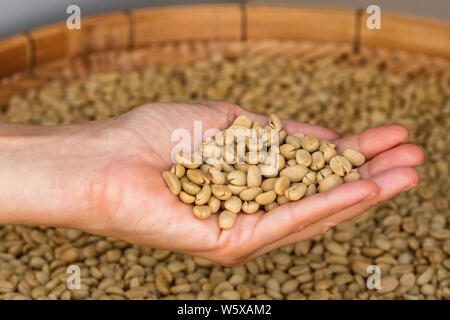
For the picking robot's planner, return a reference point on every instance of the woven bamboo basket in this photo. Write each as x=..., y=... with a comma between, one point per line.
x=125, y=41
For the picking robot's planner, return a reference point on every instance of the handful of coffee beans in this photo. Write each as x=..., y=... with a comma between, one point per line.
x=248, y=167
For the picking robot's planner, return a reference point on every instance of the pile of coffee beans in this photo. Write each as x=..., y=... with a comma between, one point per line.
x=248, y=166
x=407, y=237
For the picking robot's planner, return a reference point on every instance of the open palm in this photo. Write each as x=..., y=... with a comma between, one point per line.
x=138, y=207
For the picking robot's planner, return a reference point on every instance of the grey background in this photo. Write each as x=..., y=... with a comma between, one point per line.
x=18, y=16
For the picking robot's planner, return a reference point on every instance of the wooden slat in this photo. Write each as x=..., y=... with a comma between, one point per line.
x=14, y=55
x=98, y=33
x=186, y=23
x=274, y=22
x=408, y=33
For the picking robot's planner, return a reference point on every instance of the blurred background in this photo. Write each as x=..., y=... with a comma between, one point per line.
x=18, y=16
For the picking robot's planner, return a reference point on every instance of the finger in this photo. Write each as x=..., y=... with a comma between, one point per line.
x=390, y=184
x=407, y=155
x=374, y=141
x=292, y=126
x=290, y=218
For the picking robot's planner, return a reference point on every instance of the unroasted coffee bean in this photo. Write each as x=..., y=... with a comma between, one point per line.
x=202, y=212
x=234, y=204
x=266, y=197
x=216, y=176
x=237, y=178
x=318, y=161
x=172, y=182
x=288, y=151
x=250, y=193
x=186, y=197
x=310, y=143
x=227, y=219
x=190, y=188
x=296, y=191
x=254, y=178
x=295, y=173
x=281, y=184
x=203, y=196
x=268, y=184
x=178, y=170
x=340, y=165
x=214, y=204
x=221, y=192
x=356, y=158
x=303, y=157
x=250, y=207
x=329, y=182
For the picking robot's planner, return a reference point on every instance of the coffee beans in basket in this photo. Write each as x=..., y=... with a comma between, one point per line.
x=249, y=168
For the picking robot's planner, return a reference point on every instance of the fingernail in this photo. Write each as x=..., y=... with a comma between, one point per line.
x=371, y=196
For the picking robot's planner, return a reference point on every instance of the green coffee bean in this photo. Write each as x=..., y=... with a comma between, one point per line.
x=288, y=151
x=322, y=174
x=250, y=207
x=205, y=168
x=250, y=193
x=275, y=122
x=281, y=199
x=190, y=187
x=318, y=161
x=295, y=173
x=310, y=178
x=266, y=197
x=312, y=189
x=310, y=143
x=189, y=161
x=353, y=175
x=202, y=212
x=281, y=184
x=268, y=184
x=237, y=178
x=221, y=192
x=186, y=197
x=296, y=191
x=340, y=165
x=172, y=182
x=270, y=206
x=178, y=170
x=243, y=120
x=214, y=204
x=227, y=219
x=216, y=176
x=254, y=178
x=236, y=190
x=329, y=182
x=356, y=158
x=268, y=170
x=294, y=141
x=203, y=196
x=303, y=157
x=291, y=163
x=198, y=177
x=234, y=204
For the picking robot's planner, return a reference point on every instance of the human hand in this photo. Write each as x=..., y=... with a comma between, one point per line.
x=123, y=194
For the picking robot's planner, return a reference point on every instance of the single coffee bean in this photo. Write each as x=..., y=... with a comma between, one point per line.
x=281, y=184
x=353, y=175
x=356, y=158
x=178, y=170
x=310, y=178
x=236, y=190
x=243, y=121
x=172, y=182
x=275, y=122
x=288, y=151
x=266, y=197
x=189, y=161
x=294, y=141
x=186, y=197
x=330, y=182
x=268, y=184
x=318, y=161
x=270, y=206
x=216, y=176
x=237, y=178
x=203, y=196
x=295, y=173
x=202, y=212
x=250, y=193
x=234, y=204
x=291, y=162
x=310, y=143
x=312, y=189
x=281, y=199
x=221, y=192
x=214, y=204
x=254, y=178
x=227, y=219
x=296, y=191
x=190, y=187
x=250, y=207
x=340, y=165
x=268, y=170
x=303, y=157
x=322, y=174
x=198, y=177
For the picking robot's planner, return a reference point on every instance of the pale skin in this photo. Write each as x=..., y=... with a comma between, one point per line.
x=104, y=177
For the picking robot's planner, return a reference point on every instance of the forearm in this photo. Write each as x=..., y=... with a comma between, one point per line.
x=39, y=184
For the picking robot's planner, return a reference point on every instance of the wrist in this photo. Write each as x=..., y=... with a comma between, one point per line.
x=40, y=183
